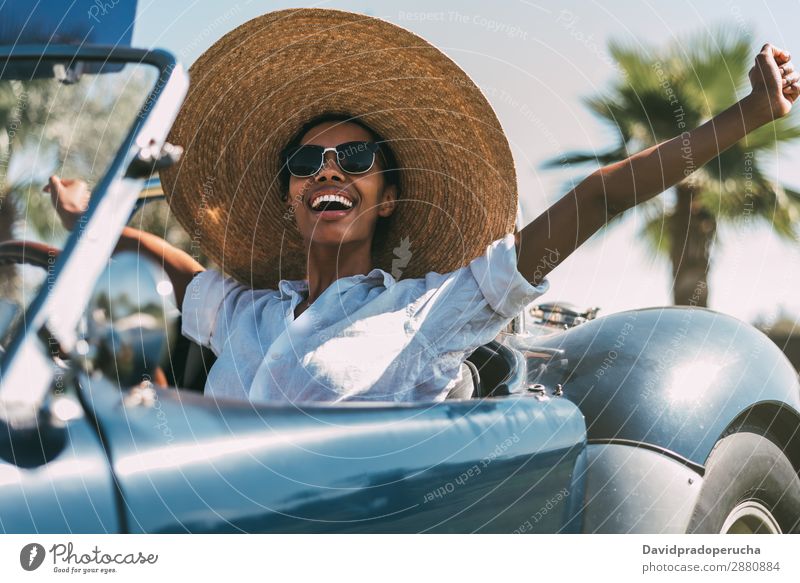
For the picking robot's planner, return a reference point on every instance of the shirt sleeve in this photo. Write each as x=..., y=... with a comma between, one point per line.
x=210, y=303
x=466, y=308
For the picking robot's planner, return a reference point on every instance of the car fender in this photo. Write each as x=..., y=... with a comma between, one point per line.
x=673, y=380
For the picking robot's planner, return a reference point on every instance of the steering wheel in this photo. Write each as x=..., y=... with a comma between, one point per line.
x=27, y=252
x=16, y=252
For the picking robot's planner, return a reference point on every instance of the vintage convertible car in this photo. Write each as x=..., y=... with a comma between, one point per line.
x=657, y=420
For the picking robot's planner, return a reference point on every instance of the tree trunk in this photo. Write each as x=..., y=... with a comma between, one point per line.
x=691, y=229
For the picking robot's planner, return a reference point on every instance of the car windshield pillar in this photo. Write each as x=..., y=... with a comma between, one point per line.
x=26, y=369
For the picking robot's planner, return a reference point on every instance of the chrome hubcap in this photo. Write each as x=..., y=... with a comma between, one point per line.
x=750, y=517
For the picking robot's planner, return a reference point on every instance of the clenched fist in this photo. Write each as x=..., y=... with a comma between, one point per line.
x=775, y=84
x=70, y=198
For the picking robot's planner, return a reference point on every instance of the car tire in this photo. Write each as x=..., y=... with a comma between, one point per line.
x=749, y=487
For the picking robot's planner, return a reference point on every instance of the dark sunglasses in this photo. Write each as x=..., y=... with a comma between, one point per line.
x=352, y=157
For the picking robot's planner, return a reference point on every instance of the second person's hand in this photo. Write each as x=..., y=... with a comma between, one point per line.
x=70, y=197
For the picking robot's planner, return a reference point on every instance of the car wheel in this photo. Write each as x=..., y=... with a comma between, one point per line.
x=749, y=487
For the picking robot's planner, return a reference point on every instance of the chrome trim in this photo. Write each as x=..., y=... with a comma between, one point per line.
x=697, y=468
x=751, y=517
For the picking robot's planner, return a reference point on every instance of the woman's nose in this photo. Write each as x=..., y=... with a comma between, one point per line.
x=330, y=169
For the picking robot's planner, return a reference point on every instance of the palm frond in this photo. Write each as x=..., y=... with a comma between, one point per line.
x=779, y=131
x=636, y=64
x=715, y=66
x=656, y=234
x=793, y=195
x=752, y=198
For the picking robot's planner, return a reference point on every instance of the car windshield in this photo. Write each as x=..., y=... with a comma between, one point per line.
x=64, y=119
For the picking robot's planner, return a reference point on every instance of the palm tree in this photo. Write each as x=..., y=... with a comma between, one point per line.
x=665, y=92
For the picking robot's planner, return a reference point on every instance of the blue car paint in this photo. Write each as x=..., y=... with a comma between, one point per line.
x=56, y=478
x=632, y=489
x=671, y=378
x=191, y=464
x=80, y=22
x=59, y=479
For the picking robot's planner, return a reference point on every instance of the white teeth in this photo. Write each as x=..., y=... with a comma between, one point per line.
x=331, y=198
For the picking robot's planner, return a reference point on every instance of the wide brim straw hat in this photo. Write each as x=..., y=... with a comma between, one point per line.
x=255, y=88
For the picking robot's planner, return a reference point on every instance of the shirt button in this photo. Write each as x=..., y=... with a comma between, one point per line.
x=276, y=355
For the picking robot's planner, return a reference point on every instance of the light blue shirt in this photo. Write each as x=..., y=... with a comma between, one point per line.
x=366, y=337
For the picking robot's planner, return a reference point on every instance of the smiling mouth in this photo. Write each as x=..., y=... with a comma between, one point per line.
x=331, y=203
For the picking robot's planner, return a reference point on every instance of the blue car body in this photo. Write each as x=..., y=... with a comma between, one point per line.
x=604, y=427
x=590, y=460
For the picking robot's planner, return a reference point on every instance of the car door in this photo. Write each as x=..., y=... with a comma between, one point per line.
x=187, y=463
x=55, y=476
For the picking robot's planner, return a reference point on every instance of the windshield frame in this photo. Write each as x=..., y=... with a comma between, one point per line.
x=26, y=369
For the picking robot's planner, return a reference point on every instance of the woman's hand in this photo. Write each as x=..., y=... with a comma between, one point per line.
x=70, y=198
x=776, y=85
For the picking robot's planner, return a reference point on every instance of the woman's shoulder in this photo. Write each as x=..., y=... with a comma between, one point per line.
x=499, y=253
x=214, y=286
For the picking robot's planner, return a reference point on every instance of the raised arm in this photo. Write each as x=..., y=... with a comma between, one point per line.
x=71, y=198
x=609, y=191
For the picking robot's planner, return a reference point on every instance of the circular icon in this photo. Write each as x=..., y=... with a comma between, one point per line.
x=31, y=556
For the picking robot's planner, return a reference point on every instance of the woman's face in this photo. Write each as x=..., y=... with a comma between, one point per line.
x=369, y=193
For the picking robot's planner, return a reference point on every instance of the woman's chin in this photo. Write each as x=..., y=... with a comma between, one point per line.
x=334, y=233
x=333, y=237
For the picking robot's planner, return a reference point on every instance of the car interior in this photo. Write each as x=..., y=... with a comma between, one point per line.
x=487, y=372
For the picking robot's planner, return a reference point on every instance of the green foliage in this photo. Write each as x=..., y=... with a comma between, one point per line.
x=663, y=92
x=73, y=130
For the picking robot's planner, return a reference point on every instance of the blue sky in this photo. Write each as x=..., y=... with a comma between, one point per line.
x=535, y=61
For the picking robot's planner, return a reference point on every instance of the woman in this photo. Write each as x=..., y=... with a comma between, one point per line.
x=370, y=242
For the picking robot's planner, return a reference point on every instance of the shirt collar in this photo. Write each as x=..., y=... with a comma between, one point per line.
x=289, y=288
x=380, y=275
x=295, y=287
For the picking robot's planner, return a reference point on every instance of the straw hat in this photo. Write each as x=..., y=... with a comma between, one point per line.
x=254, y=89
